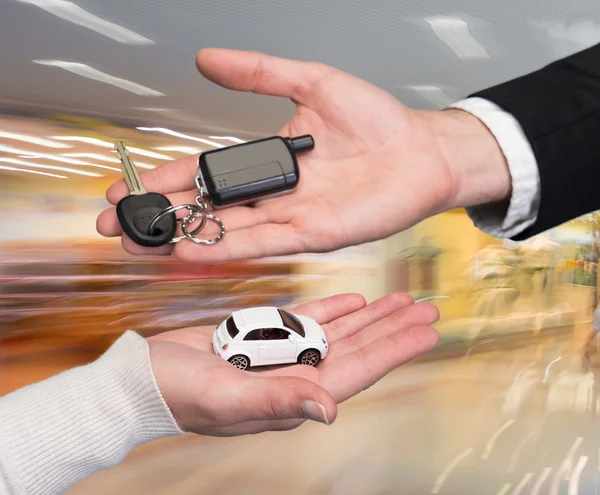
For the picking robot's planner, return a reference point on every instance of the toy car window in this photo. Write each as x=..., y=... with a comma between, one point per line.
x=253, y=335
x=231, y=328
x=291, y=322
x=274, y=334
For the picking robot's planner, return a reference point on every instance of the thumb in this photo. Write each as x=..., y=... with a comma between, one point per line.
x=283, y=397
x=260, y=73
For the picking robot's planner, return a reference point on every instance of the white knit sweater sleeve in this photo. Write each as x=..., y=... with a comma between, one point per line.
x=56, y=432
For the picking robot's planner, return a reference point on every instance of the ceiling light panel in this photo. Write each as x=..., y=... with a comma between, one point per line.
x=181, y=149
x=86, y=140
x=32, y=140
x=180, y=135
x=149, y=154
x=91, y=73
x=433, y=94
x=153, y=109
x=15, y=169
x=106, y=144
x=93, y=156
x=455, y=33
x=14, y=161
x=71, y=12
x=228, y=138
x=57, y=158
x=18, y=151
x=103, y=158
x=566, y=38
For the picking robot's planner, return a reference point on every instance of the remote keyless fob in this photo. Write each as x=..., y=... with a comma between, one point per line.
x=245, y=172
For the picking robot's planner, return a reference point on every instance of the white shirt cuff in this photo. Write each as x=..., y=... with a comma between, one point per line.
x=496, y=219
x=56, y=432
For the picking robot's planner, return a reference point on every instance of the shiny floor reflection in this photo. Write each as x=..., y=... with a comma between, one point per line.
x=518, y=421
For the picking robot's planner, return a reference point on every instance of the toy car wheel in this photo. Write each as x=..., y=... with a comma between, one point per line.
x=240, y=362
x=310, y=357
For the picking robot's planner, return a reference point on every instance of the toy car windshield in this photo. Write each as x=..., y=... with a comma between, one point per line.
x=291, y=322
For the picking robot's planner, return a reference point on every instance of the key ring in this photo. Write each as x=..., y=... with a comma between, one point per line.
x=195, y=212
x=190, y=235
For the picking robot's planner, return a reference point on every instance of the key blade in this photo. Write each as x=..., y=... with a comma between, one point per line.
x=130, y=173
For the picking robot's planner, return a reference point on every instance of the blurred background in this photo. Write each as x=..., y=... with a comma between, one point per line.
x=505, y=404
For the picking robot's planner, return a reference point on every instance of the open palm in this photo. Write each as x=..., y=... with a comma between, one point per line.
x=373, y=172
x=207, y=395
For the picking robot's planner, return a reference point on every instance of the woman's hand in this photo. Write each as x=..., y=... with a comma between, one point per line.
x=209, y=396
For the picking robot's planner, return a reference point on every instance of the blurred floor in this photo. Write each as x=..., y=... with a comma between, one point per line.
x=486, y=423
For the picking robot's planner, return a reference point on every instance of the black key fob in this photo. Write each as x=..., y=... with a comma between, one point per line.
x=135, y=213
x=243, y=173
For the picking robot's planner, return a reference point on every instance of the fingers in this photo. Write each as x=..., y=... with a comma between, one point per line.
x=239, y=217
x=255, y=242
x=253, y=427
x=331, y=308
x=261, y=397
x=243, y=240
x=107, y=223
x=260, y=73
x=411, y=316
x=357, y=371
x=350, y=324
x=175, y=176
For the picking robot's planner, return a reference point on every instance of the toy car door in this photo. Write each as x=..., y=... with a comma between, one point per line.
x=275, y=345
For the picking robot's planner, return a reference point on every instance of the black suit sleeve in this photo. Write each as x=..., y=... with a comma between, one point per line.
x=558, y=107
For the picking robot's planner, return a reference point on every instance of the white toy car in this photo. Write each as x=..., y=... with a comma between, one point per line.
x=268, y=335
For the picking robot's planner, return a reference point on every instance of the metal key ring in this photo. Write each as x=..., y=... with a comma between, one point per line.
x=190, y=235
x=193, y=209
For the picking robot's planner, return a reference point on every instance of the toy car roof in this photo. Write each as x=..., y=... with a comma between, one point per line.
x=264, y=317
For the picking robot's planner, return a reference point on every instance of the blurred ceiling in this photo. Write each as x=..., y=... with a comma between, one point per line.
x=81, y=74
x=425, y=53
x=82, y=150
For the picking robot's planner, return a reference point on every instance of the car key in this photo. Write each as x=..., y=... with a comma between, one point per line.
x=243, y=173
x=136, y=211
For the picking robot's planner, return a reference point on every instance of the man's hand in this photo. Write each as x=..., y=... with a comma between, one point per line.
x=209, y=396
x=377, y=168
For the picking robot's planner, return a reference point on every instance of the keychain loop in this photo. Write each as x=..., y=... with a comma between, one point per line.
x=201, y=202
x=190, y=235
x=195, y=212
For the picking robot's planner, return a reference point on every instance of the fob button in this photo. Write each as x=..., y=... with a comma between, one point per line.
x=143, y=217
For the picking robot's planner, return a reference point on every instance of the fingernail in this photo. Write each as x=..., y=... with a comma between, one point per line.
x=315, y=411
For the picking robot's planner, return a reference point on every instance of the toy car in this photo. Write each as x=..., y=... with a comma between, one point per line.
x=267, y=336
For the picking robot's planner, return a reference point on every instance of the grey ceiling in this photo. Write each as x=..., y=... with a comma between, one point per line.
x=386, y=42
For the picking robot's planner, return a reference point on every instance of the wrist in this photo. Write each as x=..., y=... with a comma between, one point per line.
x=475, y=162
